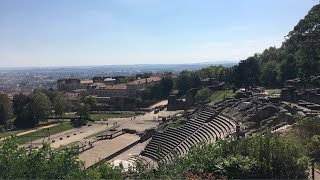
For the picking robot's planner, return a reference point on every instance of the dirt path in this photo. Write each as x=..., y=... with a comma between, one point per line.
x=32, y=130
x=37, y=129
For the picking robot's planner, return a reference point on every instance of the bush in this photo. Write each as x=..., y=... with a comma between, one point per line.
x=266, y=156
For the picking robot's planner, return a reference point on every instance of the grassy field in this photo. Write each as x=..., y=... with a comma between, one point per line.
x=105, y=115
x=44, y=132
x=220, y=95
x=15, y=132
x=9, y=133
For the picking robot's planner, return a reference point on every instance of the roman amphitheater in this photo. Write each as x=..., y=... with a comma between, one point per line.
x=124, y=140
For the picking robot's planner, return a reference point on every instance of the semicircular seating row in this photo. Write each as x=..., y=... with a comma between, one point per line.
x=206, y=127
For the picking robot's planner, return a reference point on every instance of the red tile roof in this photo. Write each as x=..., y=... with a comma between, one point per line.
x=86, y=81
x=143, y=81
x=117, y=86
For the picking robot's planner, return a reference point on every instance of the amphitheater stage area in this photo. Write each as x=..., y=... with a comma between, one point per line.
x=105, y=148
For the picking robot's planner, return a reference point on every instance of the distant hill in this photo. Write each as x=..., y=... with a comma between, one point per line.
x=127, y=67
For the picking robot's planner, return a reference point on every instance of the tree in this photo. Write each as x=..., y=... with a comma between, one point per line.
x=288, y=69
x=247, y=73
x=60, y=105
x=303, y=42
x=166, y=85
x=83, y=110
x=30, y=109
x=158, y=91
x=91, y=101
x=5, y=109
x=22, y=111
x=187, y=80
x=203, y=94
x=18, y=162
x=269, y=74
x=40, y=106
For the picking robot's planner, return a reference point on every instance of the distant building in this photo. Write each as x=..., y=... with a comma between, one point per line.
x=106, y=80
x=68, y=84
x=130, y=89
x=109, y=81
x=84, y=84
x=104, y=90
x=72, y=84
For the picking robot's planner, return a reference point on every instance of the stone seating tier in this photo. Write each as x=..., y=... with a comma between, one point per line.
x=206, y=127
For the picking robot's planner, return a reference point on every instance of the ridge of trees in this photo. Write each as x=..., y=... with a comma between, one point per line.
x=298, y=57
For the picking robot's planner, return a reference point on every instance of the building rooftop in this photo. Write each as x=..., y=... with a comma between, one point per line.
x=143, y=81
x=86, y=81
x=117, y=86
x=109, y=80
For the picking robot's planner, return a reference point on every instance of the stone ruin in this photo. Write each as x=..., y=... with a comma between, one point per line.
x=254, y=113
x=303, y=92
x=181, y=104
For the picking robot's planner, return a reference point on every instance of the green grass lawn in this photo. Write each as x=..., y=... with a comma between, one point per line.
x=44, y=132
x=15, y=132
x=220, y=95
x=9, y=133
x=104, y=116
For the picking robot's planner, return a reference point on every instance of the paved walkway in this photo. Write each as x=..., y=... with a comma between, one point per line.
x=135, y=150
x=81, y=133
x=105, y=148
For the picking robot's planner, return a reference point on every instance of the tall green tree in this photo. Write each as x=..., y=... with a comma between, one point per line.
x=248, y=72
x=83, y=110
x=60, y=105
x=288, y=68
x=166, y=85
x=5, y=108
x=187, y=80
x=30, y=109
x=269, y=74
x=40, y=106
x=91, y=101
x=304, y=43
x=22, y=111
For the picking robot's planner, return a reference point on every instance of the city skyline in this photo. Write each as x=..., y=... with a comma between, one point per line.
x=79, y=33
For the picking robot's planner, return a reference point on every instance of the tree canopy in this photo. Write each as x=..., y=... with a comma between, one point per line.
x=30, y=109
x=5, y=109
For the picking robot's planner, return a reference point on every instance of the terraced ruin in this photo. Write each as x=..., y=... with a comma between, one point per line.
x=208, y=126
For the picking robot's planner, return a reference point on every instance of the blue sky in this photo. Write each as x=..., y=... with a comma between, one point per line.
x=101, y=32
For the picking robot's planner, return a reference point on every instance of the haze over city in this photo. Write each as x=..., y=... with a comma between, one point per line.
x=39, y=33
